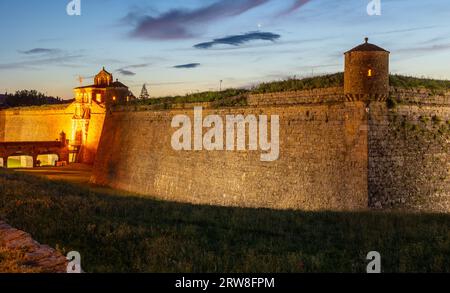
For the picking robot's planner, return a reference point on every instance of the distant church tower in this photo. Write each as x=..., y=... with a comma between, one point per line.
x=366, y=76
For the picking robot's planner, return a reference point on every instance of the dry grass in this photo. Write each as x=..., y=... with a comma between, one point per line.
x=11, y=262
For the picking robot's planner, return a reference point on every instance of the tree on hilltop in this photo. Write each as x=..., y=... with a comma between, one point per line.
x=144, y=93
x=31, y=98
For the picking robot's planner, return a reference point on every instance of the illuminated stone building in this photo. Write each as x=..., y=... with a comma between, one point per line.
x=95, y=98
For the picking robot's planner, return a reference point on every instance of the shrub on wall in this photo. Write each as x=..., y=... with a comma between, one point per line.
x=436, y=119
x=391, y=103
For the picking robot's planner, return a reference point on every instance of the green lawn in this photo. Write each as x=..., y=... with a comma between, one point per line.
x=119, y=232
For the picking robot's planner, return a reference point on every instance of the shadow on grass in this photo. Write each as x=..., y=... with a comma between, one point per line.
x=119, y=232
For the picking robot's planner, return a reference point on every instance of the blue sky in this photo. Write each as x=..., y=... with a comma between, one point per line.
x=182, y=46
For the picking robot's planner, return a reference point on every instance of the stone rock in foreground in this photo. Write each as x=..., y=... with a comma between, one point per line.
x=40, y=257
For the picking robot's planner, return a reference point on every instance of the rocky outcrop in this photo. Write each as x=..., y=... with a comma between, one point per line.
x=40, y=258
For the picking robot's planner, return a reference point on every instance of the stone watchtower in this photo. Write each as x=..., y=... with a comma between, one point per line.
x=366, y=76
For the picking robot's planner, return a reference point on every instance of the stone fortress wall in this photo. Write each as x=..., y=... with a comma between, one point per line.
x=35, y=123
x=322, y=163
x=409, y=152
x=45, y=123
x=334, y=155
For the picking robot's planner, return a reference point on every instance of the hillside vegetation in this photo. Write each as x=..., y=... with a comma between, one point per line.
x=417, y=83
x=119, y=232
x=291, y=84
x=26, y=98
x=202, y=97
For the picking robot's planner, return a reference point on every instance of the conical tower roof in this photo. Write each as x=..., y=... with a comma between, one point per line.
x=367, y=47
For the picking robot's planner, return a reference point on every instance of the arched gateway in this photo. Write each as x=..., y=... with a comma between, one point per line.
x=27, y=152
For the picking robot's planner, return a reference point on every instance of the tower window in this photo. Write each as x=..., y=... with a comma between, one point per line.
x=98, y=98
x=369, y=73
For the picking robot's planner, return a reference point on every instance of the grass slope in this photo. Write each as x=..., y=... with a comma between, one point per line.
x=291, y=84
x=115, y=232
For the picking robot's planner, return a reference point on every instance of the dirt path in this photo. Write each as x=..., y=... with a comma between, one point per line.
x=74, y=173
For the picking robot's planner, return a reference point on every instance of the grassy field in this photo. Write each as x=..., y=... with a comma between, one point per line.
x=119, y=232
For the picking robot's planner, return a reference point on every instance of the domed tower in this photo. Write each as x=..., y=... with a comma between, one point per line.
x=366, y=76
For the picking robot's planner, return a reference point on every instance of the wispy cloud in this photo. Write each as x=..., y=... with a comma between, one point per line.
x=168, y=83
x=49, y=40
x=237, y=40
x=141, y=65
x=59, y=60
x=187, y=66
x=183, y=23
x=126, y=72
x=294, y=7
x=425, y=49
x=37, y=51
x=41, y=57
x=405, y=30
